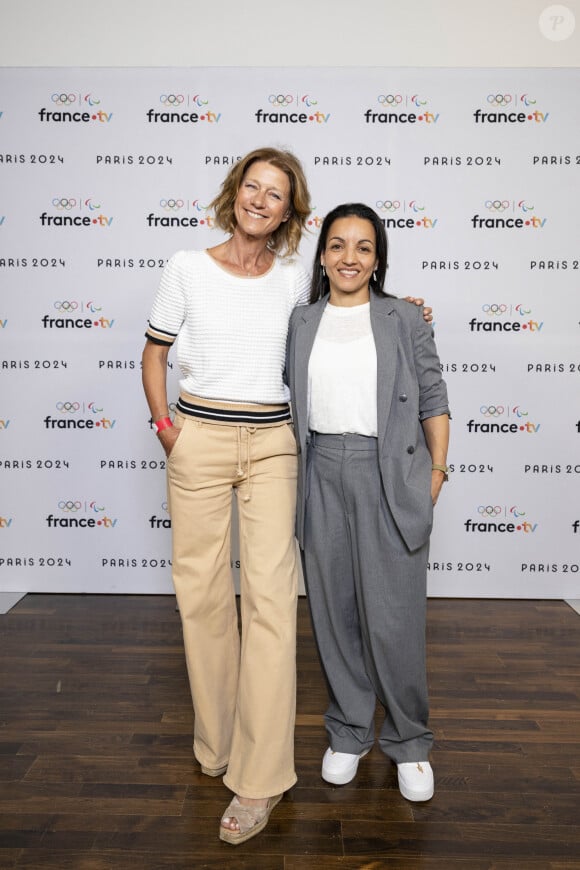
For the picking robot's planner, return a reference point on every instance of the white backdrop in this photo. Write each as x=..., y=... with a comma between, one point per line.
x=106, y=172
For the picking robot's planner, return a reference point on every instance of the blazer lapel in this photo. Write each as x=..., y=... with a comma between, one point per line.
x=304, y=340
x=384, y=327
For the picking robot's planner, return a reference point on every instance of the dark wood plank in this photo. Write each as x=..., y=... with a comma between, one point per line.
x=97, y=770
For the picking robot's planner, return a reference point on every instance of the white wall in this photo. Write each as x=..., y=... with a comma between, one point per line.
x=502, y=33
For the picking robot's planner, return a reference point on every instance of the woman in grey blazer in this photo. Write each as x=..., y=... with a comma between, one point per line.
x=372, y=425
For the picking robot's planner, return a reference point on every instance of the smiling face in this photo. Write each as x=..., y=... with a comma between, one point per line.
x=263, y=200
x=349, y=258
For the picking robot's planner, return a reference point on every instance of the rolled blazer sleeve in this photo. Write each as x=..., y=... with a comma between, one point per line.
x=433, y=399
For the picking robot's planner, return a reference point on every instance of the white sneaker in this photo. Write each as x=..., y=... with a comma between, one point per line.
x=340, y=767
x=416, y=780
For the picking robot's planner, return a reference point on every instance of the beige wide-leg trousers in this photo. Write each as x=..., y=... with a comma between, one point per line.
x=243, y=690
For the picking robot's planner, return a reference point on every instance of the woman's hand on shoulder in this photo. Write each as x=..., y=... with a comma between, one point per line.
x=427, y=312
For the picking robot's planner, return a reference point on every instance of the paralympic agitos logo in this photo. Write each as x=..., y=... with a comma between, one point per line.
x=183, y=108
x=80, y=514
x=502, y=317
x=503, y=420
x=500, y=519
x=67, y=210
x=396, y=108
x=71, y=108
x=287, y=108
x=73, y=314
x=78, y=415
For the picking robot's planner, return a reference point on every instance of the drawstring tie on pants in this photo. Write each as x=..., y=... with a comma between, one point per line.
x=239, y=470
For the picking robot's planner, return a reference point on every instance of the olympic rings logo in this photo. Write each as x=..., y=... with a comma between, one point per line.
x=171, y=99
x=499, y=99
x=63, y=202
x=492, y=410
x=67, y=407
x=66, y=306
x=388, y=204
x=494, y=309
x=497, y=204
x=171, y=204
x=489, y=510
x=390, y=99
x=63, y=99
x=280, y=99
x=69, y=506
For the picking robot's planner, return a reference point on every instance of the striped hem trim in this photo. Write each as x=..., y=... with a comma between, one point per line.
x=159, y=335
x=221, y=415
x=156, y=340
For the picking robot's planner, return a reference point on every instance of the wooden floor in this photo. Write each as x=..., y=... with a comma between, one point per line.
x=97, y=773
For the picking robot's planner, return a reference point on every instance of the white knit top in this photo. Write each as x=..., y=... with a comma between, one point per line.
x=342, y=373
x=231, y=331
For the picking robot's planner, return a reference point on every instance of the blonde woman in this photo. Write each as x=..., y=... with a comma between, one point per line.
x=227, y=310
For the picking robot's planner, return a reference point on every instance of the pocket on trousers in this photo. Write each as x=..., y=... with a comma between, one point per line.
x=289, y=427
x=183, y=425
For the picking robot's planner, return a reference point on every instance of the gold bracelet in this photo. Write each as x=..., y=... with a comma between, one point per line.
x=443, y=468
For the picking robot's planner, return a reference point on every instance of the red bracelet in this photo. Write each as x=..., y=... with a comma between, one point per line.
x=161, y=424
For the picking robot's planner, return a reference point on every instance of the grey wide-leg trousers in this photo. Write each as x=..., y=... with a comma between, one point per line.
x=367, y=597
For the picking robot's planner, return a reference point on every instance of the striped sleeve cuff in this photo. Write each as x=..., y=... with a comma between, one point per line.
x=159, y=336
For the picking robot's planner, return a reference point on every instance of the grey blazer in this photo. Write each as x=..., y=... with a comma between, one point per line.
x=409, y=389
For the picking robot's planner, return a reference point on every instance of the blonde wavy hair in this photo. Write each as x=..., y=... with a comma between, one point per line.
x=286, y=238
